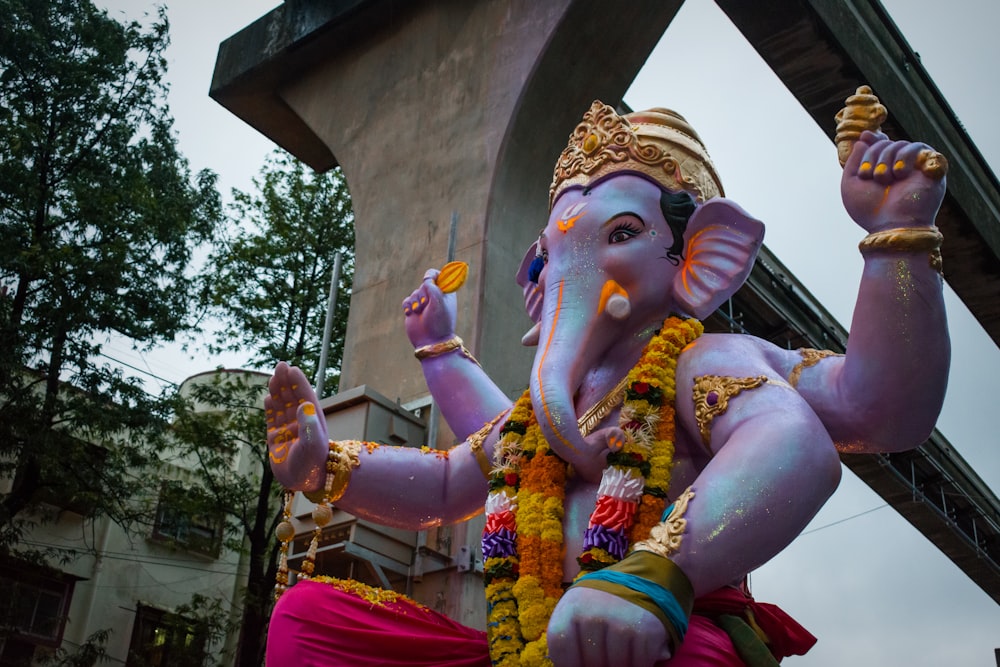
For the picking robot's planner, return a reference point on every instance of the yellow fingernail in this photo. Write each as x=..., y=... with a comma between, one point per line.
x=309, y=409
x=881, y=169
x=866, y=166
x=899, y=165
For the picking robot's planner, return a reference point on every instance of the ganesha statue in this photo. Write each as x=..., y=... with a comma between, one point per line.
x=649, y=466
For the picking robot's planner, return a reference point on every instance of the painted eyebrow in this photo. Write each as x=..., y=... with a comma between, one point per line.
x=620, y=215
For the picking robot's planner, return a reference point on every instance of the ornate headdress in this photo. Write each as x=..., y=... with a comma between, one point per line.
x=657, y=143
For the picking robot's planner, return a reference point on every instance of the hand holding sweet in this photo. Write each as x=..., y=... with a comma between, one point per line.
x=297, y=440
x=430, y=313
x=891, y=184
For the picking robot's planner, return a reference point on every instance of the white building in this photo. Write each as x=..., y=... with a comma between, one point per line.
x=131, y=585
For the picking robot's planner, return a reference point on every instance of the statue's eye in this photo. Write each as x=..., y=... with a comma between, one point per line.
x=537, y=264
x=623, y=232
x=535, y=270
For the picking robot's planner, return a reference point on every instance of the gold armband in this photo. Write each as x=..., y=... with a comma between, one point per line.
x=476, y=444
x=810, y=357
x=437, y=349
x=711, y=398
x=907, y=239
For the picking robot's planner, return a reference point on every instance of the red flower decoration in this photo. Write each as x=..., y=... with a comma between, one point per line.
x=640, y=387
x=505, y=519
x=510, y=479
x=587, y=558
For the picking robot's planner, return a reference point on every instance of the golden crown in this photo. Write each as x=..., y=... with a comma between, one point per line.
x=657, y=143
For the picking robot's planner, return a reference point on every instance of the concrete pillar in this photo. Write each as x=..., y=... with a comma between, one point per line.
x=435, y=109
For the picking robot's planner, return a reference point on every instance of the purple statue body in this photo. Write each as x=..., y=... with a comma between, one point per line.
x=638, y=231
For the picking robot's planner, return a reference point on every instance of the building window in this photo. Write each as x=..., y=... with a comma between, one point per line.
x=33, y=608
x=160, y=639
x=178, y=523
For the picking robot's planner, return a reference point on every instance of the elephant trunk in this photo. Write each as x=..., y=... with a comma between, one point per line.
x=572, y=341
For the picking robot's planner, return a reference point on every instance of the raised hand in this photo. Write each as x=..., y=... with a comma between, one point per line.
x=889, y=184
x=430, y=313
x=297, y=441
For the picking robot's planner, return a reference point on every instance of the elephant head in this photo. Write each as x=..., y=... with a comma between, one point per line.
x=621, y=251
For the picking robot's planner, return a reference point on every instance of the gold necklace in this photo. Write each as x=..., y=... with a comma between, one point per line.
x=592, y=417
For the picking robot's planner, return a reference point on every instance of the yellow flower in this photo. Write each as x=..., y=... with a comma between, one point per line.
x=536, y=654
x=520, y=610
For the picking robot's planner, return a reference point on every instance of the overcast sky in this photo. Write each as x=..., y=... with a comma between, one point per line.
x=873, y=589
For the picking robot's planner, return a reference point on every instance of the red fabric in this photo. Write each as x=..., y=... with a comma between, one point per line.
x=318, y=625
x=704, y=645
x=786, y=636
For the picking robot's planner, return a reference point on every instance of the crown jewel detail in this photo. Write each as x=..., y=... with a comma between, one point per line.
x=657, y=143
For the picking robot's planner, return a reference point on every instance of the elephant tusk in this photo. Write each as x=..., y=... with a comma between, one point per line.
x=530, y=339
x=618, y=307
x=614, y=301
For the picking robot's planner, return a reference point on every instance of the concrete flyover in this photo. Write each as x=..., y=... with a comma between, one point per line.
x=455, y=110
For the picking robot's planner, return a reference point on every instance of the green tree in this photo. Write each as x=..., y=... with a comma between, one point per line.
x=267, y=283
x=269, y=280
x=99, y=215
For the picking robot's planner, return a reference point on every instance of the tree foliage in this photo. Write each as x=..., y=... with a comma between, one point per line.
x=269, y=278
x=266, y=283
x=99, y=216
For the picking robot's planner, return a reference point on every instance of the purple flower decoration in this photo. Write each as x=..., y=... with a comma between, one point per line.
x=615, y=542
x=499, y=544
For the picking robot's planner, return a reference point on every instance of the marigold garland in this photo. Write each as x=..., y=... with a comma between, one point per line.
x=523, y=538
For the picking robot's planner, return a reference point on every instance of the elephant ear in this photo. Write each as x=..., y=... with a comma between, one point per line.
x=722, y=244
x=532, y=294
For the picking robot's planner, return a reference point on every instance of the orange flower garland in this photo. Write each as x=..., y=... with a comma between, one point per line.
x=523, y=538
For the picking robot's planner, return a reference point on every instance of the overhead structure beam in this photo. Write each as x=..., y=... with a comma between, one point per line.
x=821, y=50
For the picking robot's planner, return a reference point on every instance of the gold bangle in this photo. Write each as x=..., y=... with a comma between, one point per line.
x=903, y=239
x=476, y=444
x=437, y=349
x=907, y=239
x=342, y=458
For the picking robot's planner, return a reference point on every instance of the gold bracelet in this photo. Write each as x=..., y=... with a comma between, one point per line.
x=342, y=458
x=907, y=239
x=437, y=349
x=476, y=444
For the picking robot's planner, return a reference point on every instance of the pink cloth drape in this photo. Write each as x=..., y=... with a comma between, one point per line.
x=316, y=624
